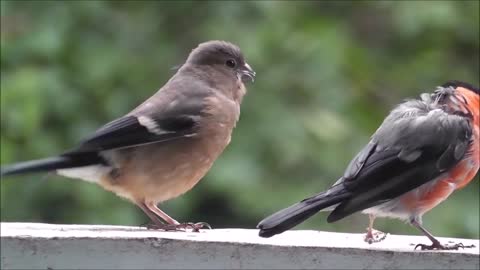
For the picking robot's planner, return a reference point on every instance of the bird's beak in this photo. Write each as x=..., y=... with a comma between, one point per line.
x=247, y=73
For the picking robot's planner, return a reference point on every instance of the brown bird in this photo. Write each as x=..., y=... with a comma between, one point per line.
x=163, y=147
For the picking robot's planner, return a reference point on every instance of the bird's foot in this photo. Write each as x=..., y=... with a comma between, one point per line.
x=195, y=227
x=438, y=246
x=374, y=236
x=182, y=227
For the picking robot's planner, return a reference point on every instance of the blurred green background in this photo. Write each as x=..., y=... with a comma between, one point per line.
x=327, y=74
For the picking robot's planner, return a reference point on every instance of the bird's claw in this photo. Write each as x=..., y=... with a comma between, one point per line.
x=182, y=227
x=374, y=236
x=195, y=227
x=438, y=246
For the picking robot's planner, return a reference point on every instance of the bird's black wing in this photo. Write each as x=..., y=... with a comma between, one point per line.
x=159, y=123
x=413, y=146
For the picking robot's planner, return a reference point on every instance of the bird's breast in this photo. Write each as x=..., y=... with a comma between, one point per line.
x=466, y=169
x=159, y=172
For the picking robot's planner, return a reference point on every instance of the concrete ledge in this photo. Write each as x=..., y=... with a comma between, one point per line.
x=46, y=246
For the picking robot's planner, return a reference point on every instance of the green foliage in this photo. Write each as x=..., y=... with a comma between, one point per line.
x=327, y=74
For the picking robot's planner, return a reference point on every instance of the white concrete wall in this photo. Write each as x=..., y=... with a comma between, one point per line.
x=45, y=246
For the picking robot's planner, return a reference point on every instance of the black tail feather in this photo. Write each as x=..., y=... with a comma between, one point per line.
x=292, y=216
x=50, y=164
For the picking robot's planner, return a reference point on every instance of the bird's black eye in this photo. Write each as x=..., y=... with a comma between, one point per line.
x=231, y=63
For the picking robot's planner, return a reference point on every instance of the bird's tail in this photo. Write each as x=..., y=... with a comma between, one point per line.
x=47, y=164
x=291, y=216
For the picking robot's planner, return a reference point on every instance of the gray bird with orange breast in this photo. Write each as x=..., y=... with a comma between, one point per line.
x=424, y=150
x=163, y=147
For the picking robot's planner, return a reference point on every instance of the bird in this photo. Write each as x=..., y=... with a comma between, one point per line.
x=164, y=146
x=426, y=148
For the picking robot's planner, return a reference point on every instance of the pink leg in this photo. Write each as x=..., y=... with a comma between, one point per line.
x=153, y=207
x=371, y=236
x=159, y=217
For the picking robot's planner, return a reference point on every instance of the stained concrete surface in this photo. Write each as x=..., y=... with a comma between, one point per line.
x=48, y=246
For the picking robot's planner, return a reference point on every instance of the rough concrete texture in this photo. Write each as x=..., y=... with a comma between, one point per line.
x=46, y=246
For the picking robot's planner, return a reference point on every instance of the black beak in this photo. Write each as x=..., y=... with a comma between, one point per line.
x=247, y=73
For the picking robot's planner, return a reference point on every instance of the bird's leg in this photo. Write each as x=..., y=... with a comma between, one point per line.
x=175, y=225
x=435, y=243
x=153, y=207
x=373, y=236
x=172, y=224
x=156, y=221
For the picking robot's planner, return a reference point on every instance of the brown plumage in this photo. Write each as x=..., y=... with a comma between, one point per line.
x=162, y=148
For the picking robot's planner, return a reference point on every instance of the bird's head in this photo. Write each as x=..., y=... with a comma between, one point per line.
x=224, y=56
x=467, y=94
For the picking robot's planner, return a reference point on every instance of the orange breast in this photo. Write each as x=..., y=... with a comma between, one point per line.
x=466, y=170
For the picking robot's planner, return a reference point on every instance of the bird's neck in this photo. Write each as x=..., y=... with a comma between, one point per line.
x=473, y=101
